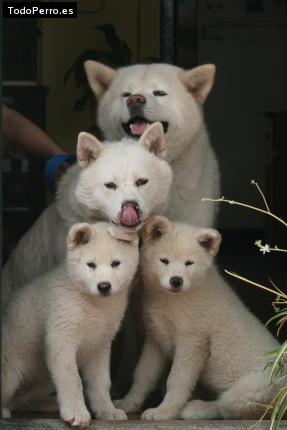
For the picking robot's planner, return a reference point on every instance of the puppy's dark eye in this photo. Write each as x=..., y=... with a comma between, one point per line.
x=91, y=264
x=159, y=93
x=164, y=260
x=189, y=263
x=115, y=263
x=126, y=94
x=111, y=185
x=141, y=181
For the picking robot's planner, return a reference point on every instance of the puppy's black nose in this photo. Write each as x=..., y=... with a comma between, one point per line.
x=176, y=282
x=104, y=287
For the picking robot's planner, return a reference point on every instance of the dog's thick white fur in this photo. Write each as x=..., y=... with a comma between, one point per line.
x=65, y=322
x=132, y=97
x=118, y=181
x=195, y=320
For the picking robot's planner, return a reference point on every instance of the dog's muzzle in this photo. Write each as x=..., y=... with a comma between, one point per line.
x=138, y=122
x=130, y=214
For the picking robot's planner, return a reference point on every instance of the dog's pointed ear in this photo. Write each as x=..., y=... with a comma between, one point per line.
x=199, y=81
x=99, y=76
x=79, y=234
x=153, y=140
x=88, y=148
x=209, y=239
x=155, y=227
x=118, y=234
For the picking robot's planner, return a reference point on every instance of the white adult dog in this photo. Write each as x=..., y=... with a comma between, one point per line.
x=194, y=320
x=131, y=98
x=64, y=322
x=119, y=181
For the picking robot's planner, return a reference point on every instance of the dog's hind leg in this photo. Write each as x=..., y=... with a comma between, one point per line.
x=11, y=380
x=39, y=397
x=200, y=410
x=249, y=398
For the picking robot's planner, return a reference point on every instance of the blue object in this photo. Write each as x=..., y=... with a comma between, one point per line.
x=52, y=167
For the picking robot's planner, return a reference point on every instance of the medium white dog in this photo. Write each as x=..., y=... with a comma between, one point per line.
x=65, y=322
x=195, y=320
x=119, y=181
x=131, y=98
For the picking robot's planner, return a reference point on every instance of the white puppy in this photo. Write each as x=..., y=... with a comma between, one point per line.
x=119, y=181
x=195, y=320
x=65, y=321
x=131, y=98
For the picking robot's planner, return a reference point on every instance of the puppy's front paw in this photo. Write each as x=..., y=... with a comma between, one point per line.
x=128, y=405
x=76, y=416
x=111, y=414
x=159, y=414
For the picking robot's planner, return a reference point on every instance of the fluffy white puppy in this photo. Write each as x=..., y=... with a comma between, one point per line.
x=195, y=320
x=121, y=182
x=64, y=322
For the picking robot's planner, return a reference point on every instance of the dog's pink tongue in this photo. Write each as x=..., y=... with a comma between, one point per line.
x=129, y=216
x=138, y=128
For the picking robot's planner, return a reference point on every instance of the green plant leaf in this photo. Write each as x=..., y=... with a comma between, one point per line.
x=126, y=54
x=281, y=379
x=271, y=353
x=81, y=102
x=279, y=409
x=277, y=315
x=78, y=66
x=112, y=38
x=274, y=370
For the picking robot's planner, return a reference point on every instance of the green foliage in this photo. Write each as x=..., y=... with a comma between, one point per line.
x=278, y=357
x=118, y=55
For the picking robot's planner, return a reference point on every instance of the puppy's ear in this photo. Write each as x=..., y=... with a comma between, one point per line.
x=88, y=148
x=155, y=228
x=79, y=234
x=153, y=140
x=199, y=81
x=99, y=76
x=209, y=239
x=118, y=234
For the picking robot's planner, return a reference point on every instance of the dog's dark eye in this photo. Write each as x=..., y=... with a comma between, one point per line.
x=189, y=263
x=111, y=185
x=91, y=264
x=164, y=260
x=126, y=94
x=159, y=93
x=141, y=181
x=115, y=263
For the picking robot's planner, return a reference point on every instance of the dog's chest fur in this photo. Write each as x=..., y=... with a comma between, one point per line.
x=170, y=319
x=87, y=321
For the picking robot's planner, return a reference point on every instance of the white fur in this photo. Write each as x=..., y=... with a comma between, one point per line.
x=61, y=324
x=192, y=159
x=83, y=197
x=204, y=329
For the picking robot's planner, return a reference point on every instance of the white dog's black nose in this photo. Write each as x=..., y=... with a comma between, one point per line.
x=104, y=287
x=176, y=282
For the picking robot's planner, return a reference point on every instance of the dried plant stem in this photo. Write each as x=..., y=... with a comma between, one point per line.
x=254, y=283
x=261, y=193
x=267, y=248
x=233, y=202
x=277, y=249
